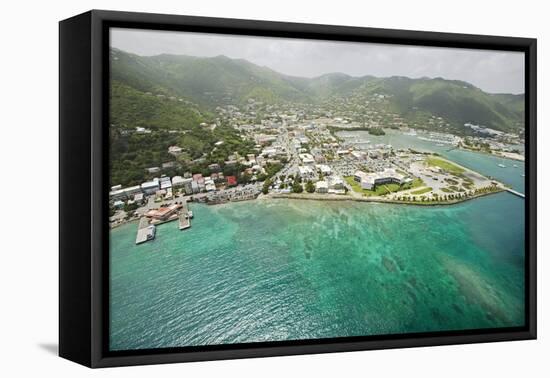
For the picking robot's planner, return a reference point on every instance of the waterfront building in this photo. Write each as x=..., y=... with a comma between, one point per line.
x=138, y=198
x=194, y=187
x=118, y=194
x=177, y=181
x=247, y=192
x=210, y=187
x=130, y=191
x=388, y=176
x=335, y=182
x=166, y=184
x=359, y=176
x=150, y=187
x=321, y=187
x=187, y=185
x=231, y=181
x=164, y=213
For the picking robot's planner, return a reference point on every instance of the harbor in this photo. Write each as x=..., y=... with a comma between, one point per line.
x=146, y=230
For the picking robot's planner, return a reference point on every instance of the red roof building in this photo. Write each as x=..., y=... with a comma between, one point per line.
x=231, y=180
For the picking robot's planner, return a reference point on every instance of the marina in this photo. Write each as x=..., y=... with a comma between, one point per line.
x=146, y=230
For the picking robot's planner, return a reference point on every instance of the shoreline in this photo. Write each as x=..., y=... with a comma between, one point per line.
x=339, y=197
x=501, y=155
x=336, y=197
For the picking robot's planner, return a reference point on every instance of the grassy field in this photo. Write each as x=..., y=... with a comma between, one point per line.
x=421, y=191
x=444, y=164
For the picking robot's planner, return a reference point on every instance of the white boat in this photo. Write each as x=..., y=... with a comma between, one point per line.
x=190, y=214
x=502, y=166
x=515, y=165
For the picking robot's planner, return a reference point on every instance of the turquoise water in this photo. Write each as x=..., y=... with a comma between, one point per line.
x=272, y=270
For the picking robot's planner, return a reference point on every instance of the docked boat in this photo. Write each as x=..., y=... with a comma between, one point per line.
x=190, y=214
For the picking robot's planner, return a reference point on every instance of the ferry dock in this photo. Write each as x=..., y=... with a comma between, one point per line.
x=147, y=224
x=145, y=231
x=184, y=217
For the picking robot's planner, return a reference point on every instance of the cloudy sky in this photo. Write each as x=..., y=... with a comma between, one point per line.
x=492, y=71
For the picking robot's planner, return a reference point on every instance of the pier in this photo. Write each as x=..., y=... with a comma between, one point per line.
x=184, y=218
x=147, y=224
x=145, y=231
x=184, y=221
x=510, y=190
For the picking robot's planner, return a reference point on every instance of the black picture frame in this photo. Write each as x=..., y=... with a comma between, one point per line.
x=83, y=170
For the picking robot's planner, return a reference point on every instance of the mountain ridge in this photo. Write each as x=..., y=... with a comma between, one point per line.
x=213, y=81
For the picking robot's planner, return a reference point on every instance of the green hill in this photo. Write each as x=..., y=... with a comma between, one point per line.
x=171, y=95
x=220, y=80
x=167, y=121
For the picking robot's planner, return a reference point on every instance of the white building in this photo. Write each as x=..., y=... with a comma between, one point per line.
x=195, y=187
x=307, y=159
x=174, y=150
x=324, y=169
x=306, y=173
x=335, y=182
x=130, y=191
x=321, y=187
x=359, y=176
x=388, y=176
x=118, y=194
x=177, y=181
x=150, y=187
x=165, y=183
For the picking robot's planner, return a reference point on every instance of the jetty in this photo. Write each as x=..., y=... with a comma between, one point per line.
x=184, y=217
x=184, y=221
x=145, y=231
x=510, y=190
